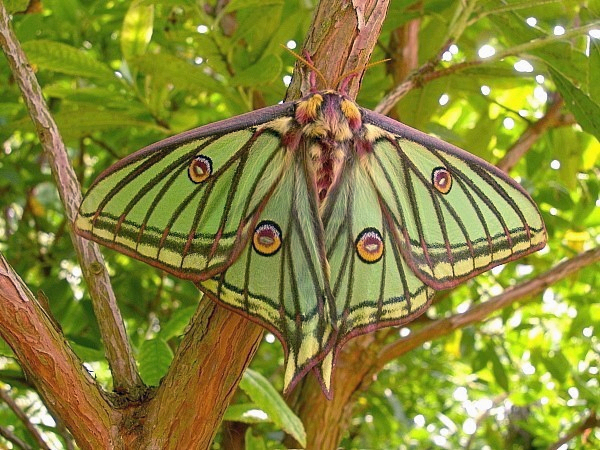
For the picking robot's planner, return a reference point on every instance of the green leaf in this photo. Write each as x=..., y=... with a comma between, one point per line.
x=558, y=365
x=254, y=442
x=177, y=323
x=15, y=6
x=136, y=33
x=562, y=57
x=265, y=71
x=235, y=5
x=66, y=59
x=154, y=360
x=499, y=370
x=592, y=87
x=168, y=69
x=245, y=413
x=10, y=177
x=587, y=390
x=266, y=17
x=585, y=110
x=73, y=124
x=556, y=195
x=268, y=399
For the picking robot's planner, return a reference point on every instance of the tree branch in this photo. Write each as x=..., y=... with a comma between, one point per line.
x=426, y=73
x=112, y=329
x=590, y=422
x=202, y=358
x=6, y=398
x=552, y=118
x=340, y=41
x=364, y=356
x=12, y=437
x=54, y=369
x=481, y=311
x=203, y=377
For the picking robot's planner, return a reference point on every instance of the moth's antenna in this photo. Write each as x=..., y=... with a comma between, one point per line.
x=344, y=79
x=308, y=62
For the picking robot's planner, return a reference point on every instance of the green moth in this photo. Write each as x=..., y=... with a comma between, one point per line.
x=318, y=219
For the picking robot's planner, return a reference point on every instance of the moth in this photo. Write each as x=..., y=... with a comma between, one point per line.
x=318, y=219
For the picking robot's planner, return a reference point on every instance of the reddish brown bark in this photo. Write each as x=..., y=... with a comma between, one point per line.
x=192, y=398
x=56, y=372
x=340, y=41
x=116, y=344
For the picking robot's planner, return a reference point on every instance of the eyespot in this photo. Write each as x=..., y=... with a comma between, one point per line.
x=267, y=238
x=441, y=179
x=200, y=169
x=369, y=245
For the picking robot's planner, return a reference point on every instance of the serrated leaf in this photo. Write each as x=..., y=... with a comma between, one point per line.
x=177, y=323
x=245, y=413
x=63, y=58
x=155, y=357
x=137, y=29
x=585, y=110
x=268, y=399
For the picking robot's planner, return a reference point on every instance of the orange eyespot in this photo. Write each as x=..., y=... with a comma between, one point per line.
x=441, y=179
x=267, y=238
x=200, y=169
x=369, y=245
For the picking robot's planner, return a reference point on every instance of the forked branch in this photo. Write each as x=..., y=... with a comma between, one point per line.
x=118, y=349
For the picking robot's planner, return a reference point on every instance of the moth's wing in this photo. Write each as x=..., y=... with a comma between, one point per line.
x=286, y=288
x=484, y=219
x=370, y=279
x=150, y=206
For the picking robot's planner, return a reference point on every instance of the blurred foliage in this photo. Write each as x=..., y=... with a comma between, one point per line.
x=119, y=75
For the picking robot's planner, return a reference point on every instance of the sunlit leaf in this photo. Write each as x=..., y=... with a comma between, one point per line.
x=154, y=359
x=269, y=400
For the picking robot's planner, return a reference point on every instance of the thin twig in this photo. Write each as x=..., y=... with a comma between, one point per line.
x=6, y=398
x=118, y=350
x=55, y=371
x=590, y=422
x=426, y=73
x=508, y=8
x=551, y=119
x=12, y=437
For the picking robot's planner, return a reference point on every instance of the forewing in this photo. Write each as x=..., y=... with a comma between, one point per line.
x=455, y=215
x=186, y=204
